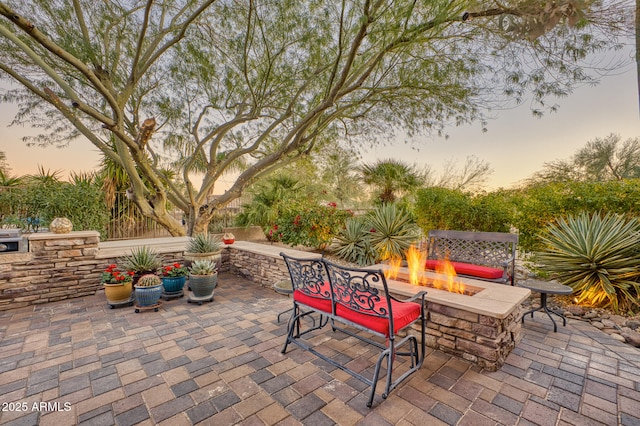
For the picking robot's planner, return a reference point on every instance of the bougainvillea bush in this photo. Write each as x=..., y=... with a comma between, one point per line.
x=309, y=223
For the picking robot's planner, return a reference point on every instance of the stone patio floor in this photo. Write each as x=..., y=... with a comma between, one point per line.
x=77, y=362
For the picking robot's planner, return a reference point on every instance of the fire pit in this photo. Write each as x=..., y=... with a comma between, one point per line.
x=477, y=320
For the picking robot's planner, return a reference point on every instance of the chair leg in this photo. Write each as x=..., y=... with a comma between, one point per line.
x=390, y=359
x=294, y=322
x=376, y=374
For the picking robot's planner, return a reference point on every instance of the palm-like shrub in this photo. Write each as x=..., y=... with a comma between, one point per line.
x=353, y=243
x=392, y=231
x=598, y=256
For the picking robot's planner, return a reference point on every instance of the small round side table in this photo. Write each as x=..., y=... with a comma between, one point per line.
x=545, y=288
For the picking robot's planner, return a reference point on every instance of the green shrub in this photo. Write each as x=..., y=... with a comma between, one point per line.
x=442, y=208
x=38, y=203
x=598, y=256
x=538, y=206
x=309, y=224
x=353, y=243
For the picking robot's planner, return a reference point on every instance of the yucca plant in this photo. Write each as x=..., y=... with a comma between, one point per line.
x=598, y=256
x=141, y=260
x=203, y=243
x=353, y=243
x=392, y=231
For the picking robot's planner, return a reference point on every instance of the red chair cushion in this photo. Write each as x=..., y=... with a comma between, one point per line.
x=315, y=301
x=403, y=313
x=468, y=269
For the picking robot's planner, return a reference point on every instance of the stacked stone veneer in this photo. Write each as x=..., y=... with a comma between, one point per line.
x=264, y=269
x=481, y=339
x=61, y=266
x=56, y=267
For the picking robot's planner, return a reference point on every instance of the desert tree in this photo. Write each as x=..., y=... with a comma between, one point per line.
x=599, y=160
x=204, y=86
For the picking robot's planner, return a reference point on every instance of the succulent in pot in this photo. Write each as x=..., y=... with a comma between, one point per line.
x=149, y=280
x=203, y=267
x=148, y=290
x=203, y=278
x=203, y=247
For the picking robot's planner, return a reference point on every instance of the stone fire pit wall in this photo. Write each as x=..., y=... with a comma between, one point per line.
x=481, y=339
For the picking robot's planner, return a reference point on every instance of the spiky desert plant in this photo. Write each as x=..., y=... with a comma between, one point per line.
x=353, y=243
x=149, y=280
x=142, y=259
x=203, y=267
x=598, y=256
x=203, y=243
x=392, y=231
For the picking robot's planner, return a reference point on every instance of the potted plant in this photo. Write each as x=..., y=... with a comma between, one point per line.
x=203, y=247
x=228, y=238
x=173, y=278
x=141, y=261
x=117, y=285
x=148, y=292
x=203, y=279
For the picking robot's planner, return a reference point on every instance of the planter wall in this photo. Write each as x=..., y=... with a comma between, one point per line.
x=57, y=267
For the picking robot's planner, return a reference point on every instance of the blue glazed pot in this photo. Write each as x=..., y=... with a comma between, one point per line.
x=148, y=296
x=173, y=284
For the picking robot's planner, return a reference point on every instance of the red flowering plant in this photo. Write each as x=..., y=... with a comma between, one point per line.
x=310, y=223
x=112, y=275
x=174, y=270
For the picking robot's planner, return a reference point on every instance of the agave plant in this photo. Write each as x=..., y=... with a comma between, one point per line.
x=392, y=231
x=203, y=243
x=597, y=256
x=353, y=243
x=141, y=260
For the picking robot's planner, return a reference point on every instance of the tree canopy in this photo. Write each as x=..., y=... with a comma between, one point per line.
x=600, y=160
x=208, y=86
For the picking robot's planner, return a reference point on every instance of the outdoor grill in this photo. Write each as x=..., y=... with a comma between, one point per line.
x=10, y=240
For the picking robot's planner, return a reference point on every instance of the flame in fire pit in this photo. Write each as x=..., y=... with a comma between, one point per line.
x=394, y=268
x=450, y=284
x=416, y=264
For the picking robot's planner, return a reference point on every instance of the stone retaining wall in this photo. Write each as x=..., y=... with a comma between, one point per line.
x=263, y=269
x=56, y=267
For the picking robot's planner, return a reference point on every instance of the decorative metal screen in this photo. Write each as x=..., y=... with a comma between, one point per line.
x=490, y=253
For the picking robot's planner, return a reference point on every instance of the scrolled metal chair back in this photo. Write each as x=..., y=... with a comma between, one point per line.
x=308, y=276
x=354, y=288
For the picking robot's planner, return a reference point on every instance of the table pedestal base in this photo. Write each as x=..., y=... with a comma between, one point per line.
x=543, y=307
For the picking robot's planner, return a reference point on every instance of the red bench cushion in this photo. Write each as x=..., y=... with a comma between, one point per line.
x=315, y=300
x=468, y=269
x=403, y=313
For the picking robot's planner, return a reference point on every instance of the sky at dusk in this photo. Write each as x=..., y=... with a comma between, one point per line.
x=516, y=144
